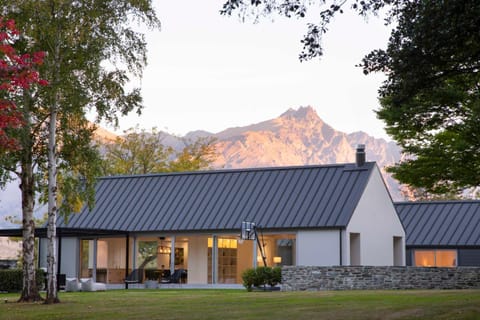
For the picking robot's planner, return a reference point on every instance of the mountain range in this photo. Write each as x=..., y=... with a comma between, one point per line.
x=300, y=137
x=296, y=137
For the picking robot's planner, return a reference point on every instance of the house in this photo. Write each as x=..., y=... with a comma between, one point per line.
x=318, y=215
x=441, y=233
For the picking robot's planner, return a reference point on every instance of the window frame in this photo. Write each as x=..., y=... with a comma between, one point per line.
x=435, y=251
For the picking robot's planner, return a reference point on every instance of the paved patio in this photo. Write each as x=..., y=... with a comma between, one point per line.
x=177, y=286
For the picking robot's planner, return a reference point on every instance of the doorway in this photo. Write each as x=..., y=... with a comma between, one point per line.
x=355, y=249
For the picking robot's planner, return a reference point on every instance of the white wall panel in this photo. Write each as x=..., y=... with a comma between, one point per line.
x=318, y=248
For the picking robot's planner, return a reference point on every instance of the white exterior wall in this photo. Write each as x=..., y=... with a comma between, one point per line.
x=198, y=260
x=70, y=255
x=43, y=253
x=318, y=248
x=377, y=222
x=345, y=249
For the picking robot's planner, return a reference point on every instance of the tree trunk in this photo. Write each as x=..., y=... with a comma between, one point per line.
x=52, y=290
x=30, y=291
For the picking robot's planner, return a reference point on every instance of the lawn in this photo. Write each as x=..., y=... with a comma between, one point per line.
x=239, y=304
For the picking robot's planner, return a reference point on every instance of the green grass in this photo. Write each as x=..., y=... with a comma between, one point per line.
x=239, y=304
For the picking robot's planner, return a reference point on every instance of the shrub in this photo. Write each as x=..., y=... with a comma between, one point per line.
x=261, y=276
x=249, y=278
x=276, y=276
x=12, y=280
x=265, y=275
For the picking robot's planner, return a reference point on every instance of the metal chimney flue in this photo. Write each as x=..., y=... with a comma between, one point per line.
x=360, y=155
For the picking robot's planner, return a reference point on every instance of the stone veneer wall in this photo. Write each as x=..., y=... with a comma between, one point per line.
x=296, y=278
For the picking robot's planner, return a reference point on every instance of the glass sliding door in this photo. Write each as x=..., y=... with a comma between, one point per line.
x=233, y=256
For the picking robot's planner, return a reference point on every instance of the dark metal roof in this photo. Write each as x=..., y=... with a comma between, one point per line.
x=61, y=232
x=442, y=223
x=273, y=198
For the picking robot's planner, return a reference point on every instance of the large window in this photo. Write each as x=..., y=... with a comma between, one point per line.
x=435, y=258
x=227, y=257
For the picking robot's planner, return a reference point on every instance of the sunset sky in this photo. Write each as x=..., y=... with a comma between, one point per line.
x=211, y=72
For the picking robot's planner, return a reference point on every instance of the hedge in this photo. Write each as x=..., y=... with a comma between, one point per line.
x=11, y=280
x=261, y=276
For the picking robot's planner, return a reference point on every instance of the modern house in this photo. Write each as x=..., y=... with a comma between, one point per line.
x=441, y=233
x=308, y=215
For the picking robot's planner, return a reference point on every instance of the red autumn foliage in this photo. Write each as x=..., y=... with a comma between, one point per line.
x=17, y=73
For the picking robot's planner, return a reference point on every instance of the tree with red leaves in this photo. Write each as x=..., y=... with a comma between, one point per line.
x=17, y=72
x=18, y=77
x=92, y=53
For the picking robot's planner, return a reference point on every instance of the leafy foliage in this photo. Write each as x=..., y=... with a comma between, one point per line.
x=142, y=152
x=12, y=280
x=326, y=10
x=430, y=101
x=17, y=73
x=79, y=38
x=137, y=152
x=261, y=276
x=196, y=155
x=250, y=279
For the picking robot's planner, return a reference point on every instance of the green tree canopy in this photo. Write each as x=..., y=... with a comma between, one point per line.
x=137, y=152
x=430, y=101
x=318, y=14
x=195, y=155
x=143, y=152
x=92, y=51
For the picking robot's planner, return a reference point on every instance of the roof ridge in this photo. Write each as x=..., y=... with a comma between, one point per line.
x=349, y=166
x=436, y=202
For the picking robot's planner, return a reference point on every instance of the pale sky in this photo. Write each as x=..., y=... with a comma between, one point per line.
x=211, y=72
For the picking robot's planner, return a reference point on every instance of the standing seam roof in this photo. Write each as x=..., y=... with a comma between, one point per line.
x=440, y=223
x=274, y=198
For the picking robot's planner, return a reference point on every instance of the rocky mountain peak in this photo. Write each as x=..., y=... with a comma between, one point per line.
x=307, y=113
x=300, y=137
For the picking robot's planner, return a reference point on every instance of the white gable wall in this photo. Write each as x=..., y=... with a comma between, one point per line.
x=377, y=222
x=318, y=248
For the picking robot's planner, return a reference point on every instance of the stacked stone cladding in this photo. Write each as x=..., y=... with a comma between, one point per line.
x=298, y=278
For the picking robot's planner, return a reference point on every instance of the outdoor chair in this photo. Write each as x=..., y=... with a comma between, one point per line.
x=176, y=277
x=136, y=276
